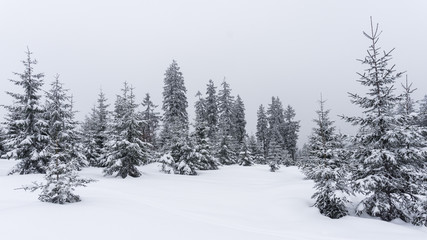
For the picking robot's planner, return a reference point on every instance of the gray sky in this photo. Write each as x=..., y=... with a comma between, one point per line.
x=291, y=49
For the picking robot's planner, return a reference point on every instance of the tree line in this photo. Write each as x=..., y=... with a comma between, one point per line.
x=385, y=162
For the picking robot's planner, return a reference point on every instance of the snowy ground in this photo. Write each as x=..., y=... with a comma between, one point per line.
x=231, y=203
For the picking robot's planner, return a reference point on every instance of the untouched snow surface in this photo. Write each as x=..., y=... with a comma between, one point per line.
x=234, y=202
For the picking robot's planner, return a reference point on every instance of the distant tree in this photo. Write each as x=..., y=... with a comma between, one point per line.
x=96, y=129
x=126, y=150
x=388, y=159
x=406, y=105
x=290, y=131
x=175, y=105
x=26, y=136
x=245, y=156
x=276, y=119
x=200, y=107
x=151, y=120
x=262, y=129
x=422, y=113
x=239, y=129
x=256, y=150
x=212, y=110
x=225, y=154
x=77, y=150
x=88, y=127
x=274, y=156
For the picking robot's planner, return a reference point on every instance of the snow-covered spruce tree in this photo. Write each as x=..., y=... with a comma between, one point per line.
x=388, y=156
x=290, y=131
x=202, y=148
x=326, y=167
x=245, y=156
x=88, y=137
x=262, y=129
x=203, y=152
x=175, y=105
x=61, y=177
x=256, y=150
x=126, y=150
x=226, y=153
x=77, y=148
x=239, y=130
x=181, y=158
x=200, y=108
x=26, y=136
x=276, y=120
x=151, y=120
x=212, y=110
x=101, y=137
x=274, y=156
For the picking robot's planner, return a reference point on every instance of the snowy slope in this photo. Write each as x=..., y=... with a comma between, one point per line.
x=231, y=203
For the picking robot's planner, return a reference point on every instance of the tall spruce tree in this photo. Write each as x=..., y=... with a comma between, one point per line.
x=126, y=151
x=175, y=117
x=226, y=153
x=212, y=110
x=26, y=136
x=388, y=157
x=262, y=129
x=151, y=120
x=326, y=166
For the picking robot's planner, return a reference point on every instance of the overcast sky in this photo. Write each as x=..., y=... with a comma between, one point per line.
x=291, y=49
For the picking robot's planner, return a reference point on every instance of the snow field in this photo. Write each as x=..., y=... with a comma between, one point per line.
x=231, y=203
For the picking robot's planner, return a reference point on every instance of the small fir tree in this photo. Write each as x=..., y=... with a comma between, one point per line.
x=327, y=167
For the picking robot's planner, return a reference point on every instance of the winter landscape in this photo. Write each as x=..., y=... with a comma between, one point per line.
x=211, y=158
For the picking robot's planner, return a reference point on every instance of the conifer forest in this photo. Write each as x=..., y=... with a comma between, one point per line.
x=192, y=167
